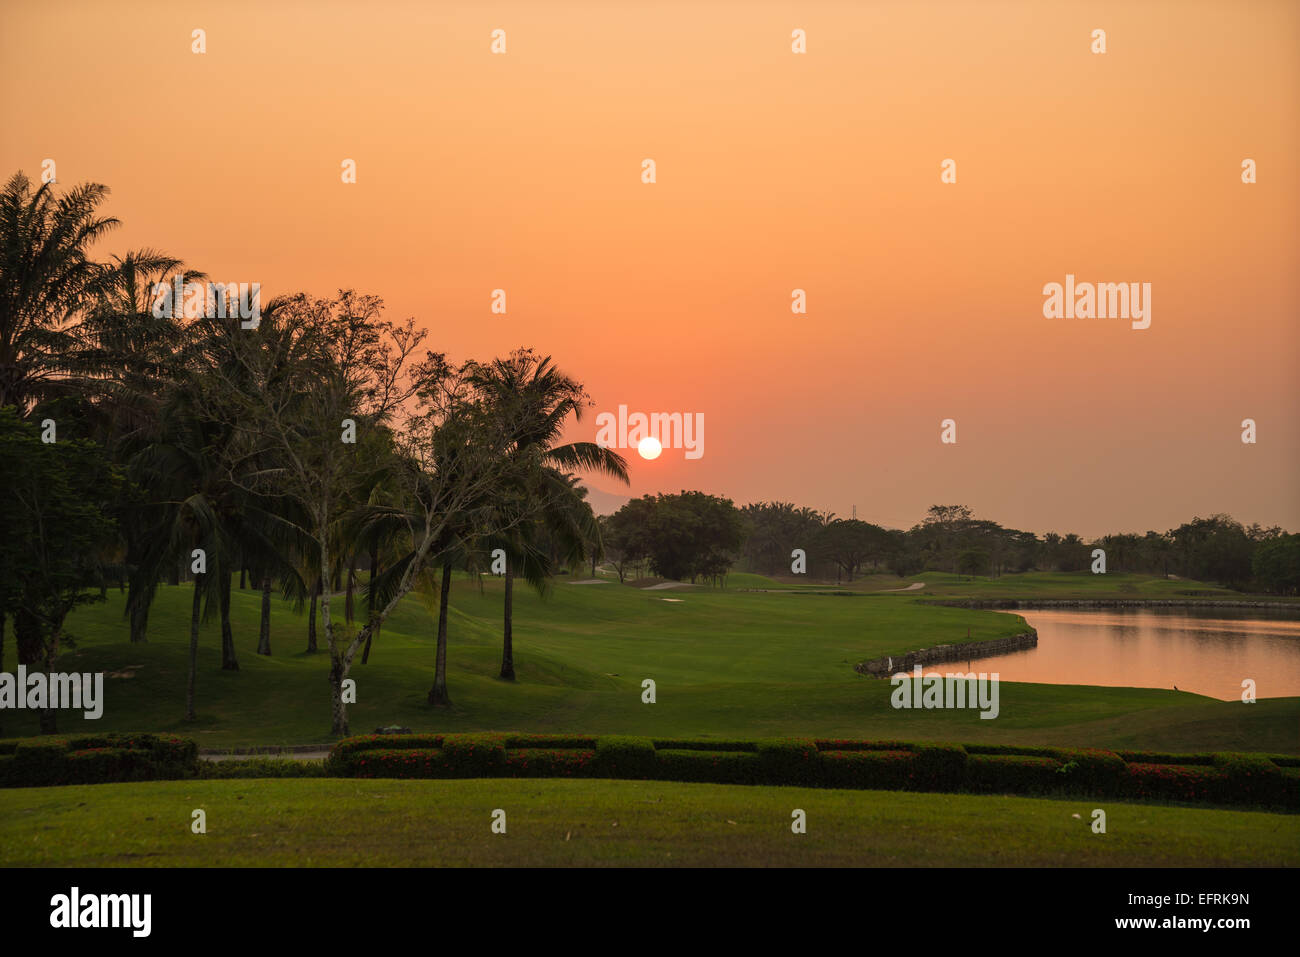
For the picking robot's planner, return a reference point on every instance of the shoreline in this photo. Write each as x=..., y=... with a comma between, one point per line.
x=889, y=665
x=996, y=604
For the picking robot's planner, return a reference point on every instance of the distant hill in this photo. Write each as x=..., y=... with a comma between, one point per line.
x=605, y=503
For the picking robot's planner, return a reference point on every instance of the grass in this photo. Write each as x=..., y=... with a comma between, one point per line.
x=328, y=822
x=725, y=663
x=1029, y=585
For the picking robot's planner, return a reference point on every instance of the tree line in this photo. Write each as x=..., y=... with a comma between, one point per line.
x=324, y=453
x=693, y=534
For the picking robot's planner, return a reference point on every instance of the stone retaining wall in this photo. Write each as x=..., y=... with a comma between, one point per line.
x=962, y=651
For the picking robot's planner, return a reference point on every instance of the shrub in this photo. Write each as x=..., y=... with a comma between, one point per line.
x=261, y=767
x=717, y=767
x=973, y=749
x=97, y=758
x=1250, y=779
x=1011, y=774
x=387, y=742
x=103, y=765
x=790, y=761
x=475, y=755
x=38, y=762
x=940, y=767
x=399, y=763
x=622, y=756
x=842, y=744
x=1098, y=772
x=695, y=744
x=882, y=770
x=1164, y=757
x=550, y=762
x=569, y=741
x=1173, y=782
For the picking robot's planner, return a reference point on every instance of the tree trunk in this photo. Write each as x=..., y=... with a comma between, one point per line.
x=374, y=628
x=243, y=579
x=228, y=660
x=195, y=608
x=311, y=619
x=508, y=649
x=438, y=693
x=49, y=721
x=264, y=633
x=339, y=710
x=139, y=620
x=174, y=575
x=349, y=600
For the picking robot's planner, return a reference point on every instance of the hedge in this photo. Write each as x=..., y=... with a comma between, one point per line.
x=1254, y=779
x=95, y=759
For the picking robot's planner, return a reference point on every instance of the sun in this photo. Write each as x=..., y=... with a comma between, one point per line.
x=649, y=447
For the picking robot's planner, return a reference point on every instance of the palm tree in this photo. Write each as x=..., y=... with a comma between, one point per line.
x=127, y=361
x=47, y=279
x=536, y=399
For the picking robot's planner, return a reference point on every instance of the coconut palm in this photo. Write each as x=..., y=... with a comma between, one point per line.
x=47, y=280
x=537, y=400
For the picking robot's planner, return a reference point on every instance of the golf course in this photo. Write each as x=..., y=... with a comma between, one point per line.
x=755, y=658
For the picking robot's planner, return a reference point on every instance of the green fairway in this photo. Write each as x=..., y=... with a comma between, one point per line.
x=1028, y=586
x=726, y=663
x=396, y=823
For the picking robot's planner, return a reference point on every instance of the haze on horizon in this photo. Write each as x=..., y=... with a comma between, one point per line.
x=775, y=172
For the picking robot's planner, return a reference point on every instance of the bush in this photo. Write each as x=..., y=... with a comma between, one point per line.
x=399, y=763
x=790, y=761
x=803, y=762
x=716, y=767
x=1174, y=782
x=96, y=758
x=881, y=770
x=475, y=755
x=695, y=744
x=105, y=765
x=940, y=767
x=621, y=756
x=1102, y=773
x=1011, y=774
x=566, y=741
x=841, y=744
x=387, y=742
x=1164, y=757
x=1250, y=779
x=260, y=767
x=39, y=762
x=550, y=762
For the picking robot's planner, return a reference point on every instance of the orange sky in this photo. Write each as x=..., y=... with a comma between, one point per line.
x=775, y=171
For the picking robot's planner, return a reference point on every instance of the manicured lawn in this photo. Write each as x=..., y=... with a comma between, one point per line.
x=560, y=823
x=726, y=663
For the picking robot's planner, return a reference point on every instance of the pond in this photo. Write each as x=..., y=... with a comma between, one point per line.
x=1201, y=650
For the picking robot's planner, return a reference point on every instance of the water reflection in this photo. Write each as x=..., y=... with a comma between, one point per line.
x=1206, y=651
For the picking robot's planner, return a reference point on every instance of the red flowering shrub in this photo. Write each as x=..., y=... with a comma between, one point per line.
x=1011, y=774
x=882, y=770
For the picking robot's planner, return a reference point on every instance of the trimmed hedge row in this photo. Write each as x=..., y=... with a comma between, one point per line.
x=95, y=759
x=892, y=765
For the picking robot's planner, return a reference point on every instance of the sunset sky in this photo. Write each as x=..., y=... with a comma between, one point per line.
x=775, y=171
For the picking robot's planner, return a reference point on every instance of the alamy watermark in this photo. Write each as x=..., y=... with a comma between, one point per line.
x=955, y=690
x=651, y=434
x=211, y=300
x=38, y=691
x=1102, y=300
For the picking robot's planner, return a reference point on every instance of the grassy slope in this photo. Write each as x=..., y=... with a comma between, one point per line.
x=393, y=823
x=1045, y=585
x=726, y=664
